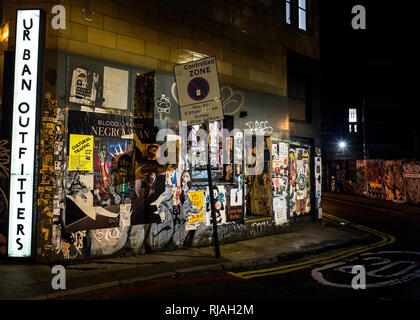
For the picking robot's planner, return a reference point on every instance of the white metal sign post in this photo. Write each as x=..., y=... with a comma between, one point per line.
x=29, y=39
x=199, y=100
x=198, y=89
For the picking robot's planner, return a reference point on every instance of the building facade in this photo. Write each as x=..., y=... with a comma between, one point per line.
x=107, y=90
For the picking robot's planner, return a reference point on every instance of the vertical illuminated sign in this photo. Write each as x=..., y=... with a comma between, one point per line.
x=25, y=101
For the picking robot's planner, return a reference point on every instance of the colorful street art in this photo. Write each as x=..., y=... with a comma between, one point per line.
x=375, y=185
x=104, y=192
x=393, y=180
x=280, y=180
x=299, y=181
x=318, y=184
x=395, y=185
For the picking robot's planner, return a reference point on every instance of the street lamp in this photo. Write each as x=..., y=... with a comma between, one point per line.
x=342, y=145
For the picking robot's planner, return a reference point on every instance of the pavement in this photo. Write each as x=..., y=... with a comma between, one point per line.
x=385, y=205
x=33, y=281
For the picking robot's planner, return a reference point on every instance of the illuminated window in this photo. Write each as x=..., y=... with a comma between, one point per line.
x=302, y=14
x=288, y=10
x=349, y=127
x=355, y=128
x=352, y=115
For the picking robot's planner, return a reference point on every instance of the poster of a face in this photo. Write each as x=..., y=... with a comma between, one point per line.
x=219, y=196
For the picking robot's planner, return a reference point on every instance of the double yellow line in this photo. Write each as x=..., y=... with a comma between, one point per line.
x=385, y=240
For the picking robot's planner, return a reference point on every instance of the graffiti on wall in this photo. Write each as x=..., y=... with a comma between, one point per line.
x=117, y=198
x=395, y=185
x=375, y=184
x=4, y=205
x=361, y=185
x=393, y=180
x=411, y=172
x=318, y=184
x=280, y=180
x=299, y=181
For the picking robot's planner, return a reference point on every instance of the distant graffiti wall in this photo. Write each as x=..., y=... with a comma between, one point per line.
x=393, y=180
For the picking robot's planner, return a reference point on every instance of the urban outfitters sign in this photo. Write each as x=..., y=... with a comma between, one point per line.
x=25, y=103
x=198, y=91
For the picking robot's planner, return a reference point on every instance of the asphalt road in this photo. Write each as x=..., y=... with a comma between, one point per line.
x=390, y=271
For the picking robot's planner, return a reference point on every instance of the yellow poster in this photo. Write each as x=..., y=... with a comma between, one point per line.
x=80, y=152
x=197, y=198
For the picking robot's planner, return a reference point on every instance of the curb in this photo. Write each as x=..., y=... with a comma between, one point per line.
x=231, y=265
x=252, y=263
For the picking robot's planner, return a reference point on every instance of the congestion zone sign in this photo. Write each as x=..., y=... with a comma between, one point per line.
x=198, y=91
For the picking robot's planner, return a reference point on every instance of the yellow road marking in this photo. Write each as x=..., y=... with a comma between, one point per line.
x=386, y=239
x=258, y=219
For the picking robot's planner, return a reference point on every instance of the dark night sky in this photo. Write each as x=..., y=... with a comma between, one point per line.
x=381, y=61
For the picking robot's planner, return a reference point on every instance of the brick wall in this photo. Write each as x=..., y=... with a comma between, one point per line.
x=248, y=37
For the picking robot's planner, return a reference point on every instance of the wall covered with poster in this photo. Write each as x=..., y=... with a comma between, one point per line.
x=112, y=196
x=393, y=180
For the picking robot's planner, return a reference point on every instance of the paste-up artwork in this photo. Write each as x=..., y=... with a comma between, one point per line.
x=114, y=179
x=395, y=185
x=81, y=152
x=115, y=92
x=279, y=210
x=150, y=176
x=198, y=149
x=375, y=184
x=216, y=133
x=93, y=199
x=163, y=104
x=318, y=186
x=274, y=152
x=280, y=180
x=411, y=172
x=292, y=182
x=195, y=217
x=84, y=84
x=258, y=188
x=300, y=187
x=219, y=196
x=81, y=213
x=235, y=208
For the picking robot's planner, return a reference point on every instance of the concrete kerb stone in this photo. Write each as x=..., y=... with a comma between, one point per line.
x=259, y=261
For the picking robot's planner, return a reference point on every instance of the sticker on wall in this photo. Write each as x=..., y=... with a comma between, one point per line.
x=83, y=86
x=195, y=216
x=80, y=152
x=318, y=184
x=163, y=104
x=115, y=91
x=235, y=210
